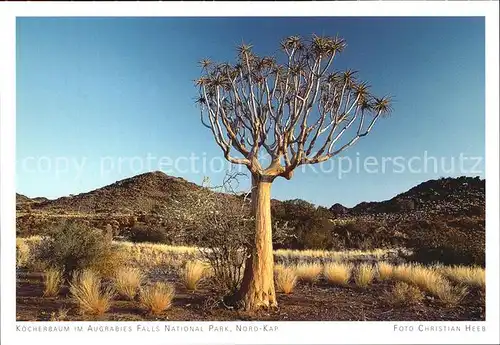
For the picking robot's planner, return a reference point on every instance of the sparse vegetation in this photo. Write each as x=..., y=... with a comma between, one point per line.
x=61, y=315
x=22, y=253
x=364, y=275
x=405, y=294
x=76, y=247
x=93, y=296
x=402, y=272
x=52, y=281
x=159, y=247
x=147, y=233
x=89, y=294
x=385, y=270
x=431, y=281
x=127, y=281
x=285, y=279
x=472, y=276
x=157, y=298
x=338, y=273
x=193, y=273
x=308, y=272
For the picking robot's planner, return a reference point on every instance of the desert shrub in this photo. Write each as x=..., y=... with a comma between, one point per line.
x=192, y=273
x=127, y=281
x=285, y=279
x=224, y=232
x=157, y=298
x=307, y=226
x=449, y=243
x=308, y=272
x=338, y=273
x=29, y=249
x=147, y=233
x=295, y=209
x=446, y=254
x=52, y=279
x=315, y=233
x=385, y=270
x=404, y=294
x=364, y=275
x=89, y=294
x=74, y=247
x=363, y=234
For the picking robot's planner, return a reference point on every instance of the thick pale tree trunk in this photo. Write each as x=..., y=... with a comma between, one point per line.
x=257, y=288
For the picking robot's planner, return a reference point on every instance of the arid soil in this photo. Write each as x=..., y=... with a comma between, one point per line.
x=308, y=302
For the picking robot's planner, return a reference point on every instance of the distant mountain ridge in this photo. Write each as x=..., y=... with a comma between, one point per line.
x=131, y=195
x=461, y=196
x=142, y=193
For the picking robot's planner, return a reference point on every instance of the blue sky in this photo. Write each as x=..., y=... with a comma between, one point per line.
x=93, y=90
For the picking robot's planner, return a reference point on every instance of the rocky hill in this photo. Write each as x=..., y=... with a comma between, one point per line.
x=22, y=198
x=446, y=196
x=141, y=193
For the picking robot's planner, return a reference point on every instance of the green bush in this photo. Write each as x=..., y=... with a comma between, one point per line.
x=72, y=247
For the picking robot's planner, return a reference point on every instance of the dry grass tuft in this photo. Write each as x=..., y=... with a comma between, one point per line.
x=472, y=276
x=88, y=293
x=402, y=272
x=22, y=253
x=450, y=294
x=285, y=279
x=385, y=270
x=404, y=294
x=61, y=315
x=308, y=272
x=364, y=275
x=338, y=273
x=52, y=279
x=157, y=297
x=193, y=273
x=127, y=281
x=431, y=281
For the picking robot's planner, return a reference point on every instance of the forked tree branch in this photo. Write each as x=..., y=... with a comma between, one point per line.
x=297, y=112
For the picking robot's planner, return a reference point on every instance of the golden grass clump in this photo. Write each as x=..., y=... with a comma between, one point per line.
x=285, y=279
x=385, y=270
x=193, y=273
x=308, y=272
x=431, y=281
x=88, y=293
x=52, y=279
x=404, y=294
x=472, y=276
x=364, y=275
x=127, y=281
x=402, y=272
x=450, y=294
x=338, y=273
x=22, y=253
x=157, y=297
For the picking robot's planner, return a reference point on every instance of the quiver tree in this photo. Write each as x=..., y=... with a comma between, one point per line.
x=295, y=111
